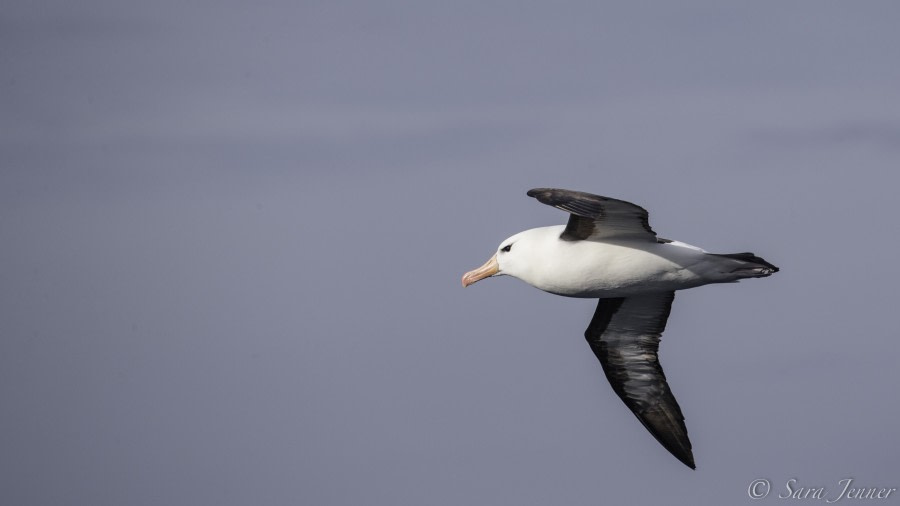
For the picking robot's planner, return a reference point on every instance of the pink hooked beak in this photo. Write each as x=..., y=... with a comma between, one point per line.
x=490, y=268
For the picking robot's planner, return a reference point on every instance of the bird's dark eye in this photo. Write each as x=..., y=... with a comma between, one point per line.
x=506, y=248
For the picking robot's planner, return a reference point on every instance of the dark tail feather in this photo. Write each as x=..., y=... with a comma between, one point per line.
x=748, y=257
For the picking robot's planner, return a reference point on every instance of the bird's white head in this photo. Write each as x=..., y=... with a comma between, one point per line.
x=515, y=257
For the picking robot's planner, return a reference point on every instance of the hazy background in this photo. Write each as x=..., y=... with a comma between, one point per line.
x=232, y=233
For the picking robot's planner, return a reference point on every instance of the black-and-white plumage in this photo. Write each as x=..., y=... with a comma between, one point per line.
x=593, y=217
x=608, y=251
x=625, y=334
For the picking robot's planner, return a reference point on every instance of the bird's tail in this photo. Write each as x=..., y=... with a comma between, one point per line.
x=748, y=265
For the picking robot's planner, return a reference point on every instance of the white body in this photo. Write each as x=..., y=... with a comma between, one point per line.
x=612, y=268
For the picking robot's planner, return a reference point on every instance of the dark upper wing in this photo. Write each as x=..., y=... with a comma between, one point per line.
x=596, y=217
x=624, y=335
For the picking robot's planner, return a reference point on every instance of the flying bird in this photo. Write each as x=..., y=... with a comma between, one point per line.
x=608, y=251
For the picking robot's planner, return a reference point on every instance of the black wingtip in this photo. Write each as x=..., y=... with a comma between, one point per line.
x=684, y=455
x=557, y=197
x=674, y=438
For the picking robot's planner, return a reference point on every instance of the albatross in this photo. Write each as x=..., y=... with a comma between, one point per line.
x=608, y=251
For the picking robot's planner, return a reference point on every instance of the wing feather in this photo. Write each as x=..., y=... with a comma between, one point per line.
x=593, y=217
x=624, y=334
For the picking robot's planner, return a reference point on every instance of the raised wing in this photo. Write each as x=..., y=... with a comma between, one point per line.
x=596, y=218
x=624, y=334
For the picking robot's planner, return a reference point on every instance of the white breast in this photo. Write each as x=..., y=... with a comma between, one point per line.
x=609, y=269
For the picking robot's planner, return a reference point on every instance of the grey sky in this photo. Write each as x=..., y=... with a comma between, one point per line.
x=231, y=237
